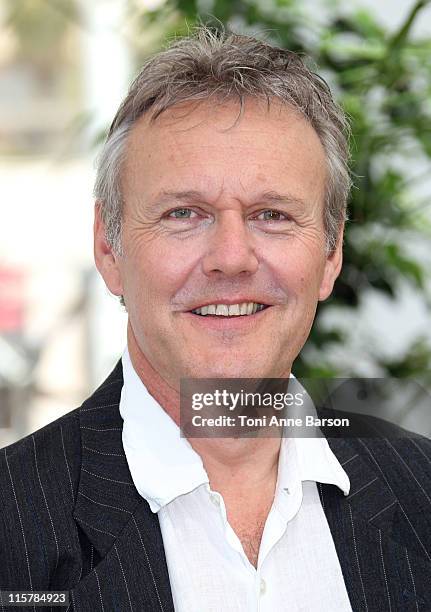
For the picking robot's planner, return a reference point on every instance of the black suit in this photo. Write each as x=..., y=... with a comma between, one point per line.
x=71, y=518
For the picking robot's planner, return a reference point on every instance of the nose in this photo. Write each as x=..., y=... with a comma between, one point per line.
x=229, y=249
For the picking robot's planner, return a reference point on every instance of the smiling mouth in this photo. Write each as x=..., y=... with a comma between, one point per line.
x=229, y=310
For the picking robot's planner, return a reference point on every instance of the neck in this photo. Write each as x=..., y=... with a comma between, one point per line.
x=163, y=393
x=240, y=464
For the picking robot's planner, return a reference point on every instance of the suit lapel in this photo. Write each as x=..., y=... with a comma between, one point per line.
x=377, y=564
x=132, y=573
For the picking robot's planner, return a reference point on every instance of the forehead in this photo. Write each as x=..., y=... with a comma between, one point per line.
x=201, y=145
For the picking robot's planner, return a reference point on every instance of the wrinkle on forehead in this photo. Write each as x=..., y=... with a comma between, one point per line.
x=186, y=116
x=258, y=138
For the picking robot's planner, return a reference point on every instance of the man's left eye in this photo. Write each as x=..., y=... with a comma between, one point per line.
x=272, y=215
x=181, y=213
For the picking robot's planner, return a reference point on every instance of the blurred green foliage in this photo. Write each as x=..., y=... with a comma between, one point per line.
x=383, y=81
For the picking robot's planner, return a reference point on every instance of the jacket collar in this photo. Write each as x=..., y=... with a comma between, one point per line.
x=106, y=496
x=116, y=519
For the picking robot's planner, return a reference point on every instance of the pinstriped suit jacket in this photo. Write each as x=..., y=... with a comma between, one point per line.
x=71, y=518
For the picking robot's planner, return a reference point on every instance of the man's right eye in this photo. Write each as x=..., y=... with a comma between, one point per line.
x=181, y=213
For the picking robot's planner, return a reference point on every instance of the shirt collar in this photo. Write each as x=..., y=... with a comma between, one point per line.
x=164, y=465
x=312, y=456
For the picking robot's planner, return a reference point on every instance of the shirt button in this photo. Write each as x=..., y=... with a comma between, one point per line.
x=262, y=586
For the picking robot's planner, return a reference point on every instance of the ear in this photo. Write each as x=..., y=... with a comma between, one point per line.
x=333, y=263
x=105, y=258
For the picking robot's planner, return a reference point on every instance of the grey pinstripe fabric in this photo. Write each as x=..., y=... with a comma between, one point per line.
x=71, y=518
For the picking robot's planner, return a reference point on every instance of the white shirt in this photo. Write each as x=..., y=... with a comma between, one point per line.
x=298, y=567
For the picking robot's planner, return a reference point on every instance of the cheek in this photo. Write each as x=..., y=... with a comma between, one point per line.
x=298, y=275
x=157, y=273
x=306, y=269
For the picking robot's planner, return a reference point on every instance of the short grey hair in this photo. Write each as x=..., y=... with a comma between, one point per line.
x=227, y=65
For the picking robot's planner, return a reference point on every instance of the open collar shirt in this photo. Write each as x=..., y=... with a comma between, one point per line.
x=298, y=567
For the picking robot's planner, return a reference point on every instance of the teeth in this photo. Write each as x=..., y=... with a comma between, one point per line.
x=222, y=309
x=232, y=310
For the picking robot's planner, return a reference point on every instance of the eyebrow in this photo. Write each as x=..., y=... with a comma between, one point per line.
x=193, y=196
x=273, y=197
x=182, y=196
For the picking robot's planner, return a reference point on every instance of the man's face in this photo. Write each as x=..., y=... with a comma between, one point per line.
x=215, y=214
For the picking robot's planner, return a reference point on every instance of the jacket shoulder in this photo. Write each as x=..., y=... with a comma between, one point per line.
x=64, y=429
x=41, y=544
x=404, y=459
x=38, y=484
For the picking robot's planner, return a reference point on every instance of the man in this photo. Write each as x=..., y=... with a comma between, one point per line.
x=221, y=197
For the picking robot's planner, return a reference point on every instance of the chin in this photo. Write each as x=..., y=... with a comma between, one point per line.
x=232, y=371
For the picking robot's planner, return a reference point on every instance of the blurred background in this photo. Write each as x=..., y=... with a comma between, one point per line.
x=65, y=65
